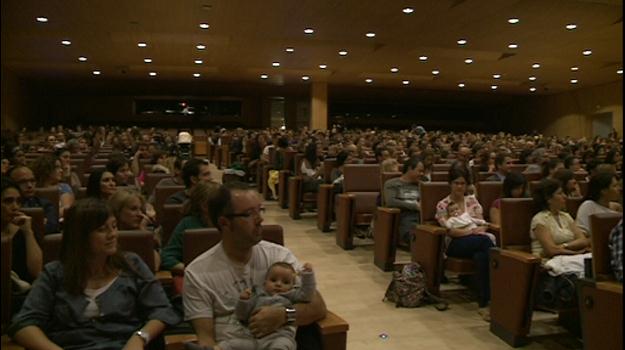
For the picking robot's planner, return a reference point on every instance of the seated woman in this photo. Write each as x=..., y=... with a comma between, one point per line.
x=570, y=187
x=514, y=186
x=602, y=196
x=49, y=172
x=467, y=243
x=95, y=297
x=311, y=167
x=128, y=207
x=101, y=184
x=70, y=177
x=26, y=258
x=553, y=231
x=551, y=166
x=196, y=215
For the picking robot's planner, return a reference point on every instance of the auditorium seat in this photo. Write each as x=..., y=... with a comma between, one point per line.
x=298, y=198
x=161, y=193
x=386, y=237
x=326, y=197
x=151, y=179
x=6, y=281
x=357, y=203
x=172, y=214
x=601, y=297
x=487, y=193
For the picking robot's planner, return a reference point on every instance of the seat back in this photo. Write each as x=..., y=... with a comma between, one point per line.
x=328, y=165
x=297, y=163
x=361, y=178
x=37, y=221
x=583, y=187
x=533, y=185
x=572, y=204
x=385, y=176
x=440, y=176
x=172, y=214
x=50, y=193
x=151, y=179
x=483, y=175
x=6, y=281
x=532, y=176
x=137, y=241
x=288, y=159
x=516, y=219
x=161, y=193
x=197, y=241
x=441, y=167
x=517, y=168
x=601, y=225
x=487, y=193
x=431, y=194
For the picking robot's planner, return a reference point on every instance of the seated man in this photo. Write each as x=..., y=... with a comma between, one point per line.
x=502, y=161
x=215, y=279
x=25, y=179
x=193, y=172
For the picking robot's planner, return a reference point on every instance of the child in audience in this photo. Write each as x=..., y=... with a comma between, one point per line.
x=459, y=220
x=278, y=289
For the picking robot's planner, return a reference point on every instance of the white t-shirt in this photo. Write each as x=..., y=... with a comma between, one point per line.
x=584, y=212
x=213, y=283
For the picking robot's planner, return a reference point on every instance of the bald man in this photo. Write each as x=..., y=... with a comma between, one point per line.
x=25, y=179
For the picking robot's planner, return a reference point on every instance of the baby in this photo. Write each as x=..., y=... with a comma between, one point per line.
x=459, y=220
x=278, y=290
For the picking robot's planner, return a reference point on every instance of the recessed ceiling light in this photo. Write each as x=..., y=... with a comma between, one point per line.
x=275, y=64
x=42, y=19
x=461, y=85
x=198, y=61
x=323, y=66
x=496, y=76
x=309, y=31
x=289, y=50
x=462, y=41
x=264, y=76
x=368, y=80
x=96, y=72
x=405, y=82
x=574, y=81
x=204, y=25
x=407, y=10
x=532, y=78
x=152, y=74
x=196, y=75
x=436, y=72
x=571, y=26
x=468, y=61
x=370, y=35
x=305, y=77
x=513, y=20
x=619, y=71
x=200, y=46
x=423, y=58
x=574, y=69
x=147, y=60
x=394, y=70
x=587, y=52
x=493, y=87
x=343, y=52
x=66, y=42
x=82, y=59
x=513, y=46
x=536, y=65
x=532, y=89
x=142, y=44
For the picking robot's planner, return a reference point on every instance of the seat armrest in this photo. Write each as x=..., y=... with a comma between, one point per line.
x=432, y=229
x=332, y=323
x=386, y=237
x=164, y=276
x=520, y=256
x=344, y=219
x=325, y=206
x=389, y=211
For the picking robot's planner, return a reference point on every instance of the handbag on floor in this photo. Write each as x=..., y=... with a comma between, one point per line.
x=408, y=289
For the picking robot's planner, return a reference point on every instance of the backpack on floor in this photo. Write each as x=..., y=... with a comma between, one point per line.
x=408, y=289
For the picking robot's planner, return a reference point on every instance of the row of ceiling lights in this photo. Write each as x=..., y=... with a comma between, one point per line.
x=310, y=31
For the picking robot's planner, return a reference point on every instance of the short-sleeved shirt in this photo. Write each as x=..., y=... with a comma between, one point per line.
x=584, y=212
x=213, y=283
x=559, y=233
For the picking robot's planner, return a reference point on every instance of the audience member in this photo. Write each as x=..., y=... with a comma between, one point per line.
x=101, y=184
x=194, y=171
x=603, y=192
x=514, y=186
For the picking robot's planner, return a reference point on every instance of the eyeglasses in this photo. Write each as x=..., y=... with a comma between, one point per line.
x=248, y=214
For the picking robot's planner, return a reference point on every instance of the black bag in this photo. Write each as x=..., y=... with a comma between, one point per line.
x=408, y=289
x=557, y=292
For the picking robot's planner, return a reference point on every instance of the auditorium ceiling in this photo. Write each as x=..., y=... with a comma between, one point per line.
x=422, y=39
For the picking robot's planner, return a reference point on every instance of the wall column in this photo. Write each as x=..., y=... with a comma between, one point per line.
x=319, y=106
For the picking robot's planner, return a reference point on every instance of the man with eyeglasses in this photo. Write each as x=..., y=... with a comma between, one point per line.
x=25, y=179
x=216, y=278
